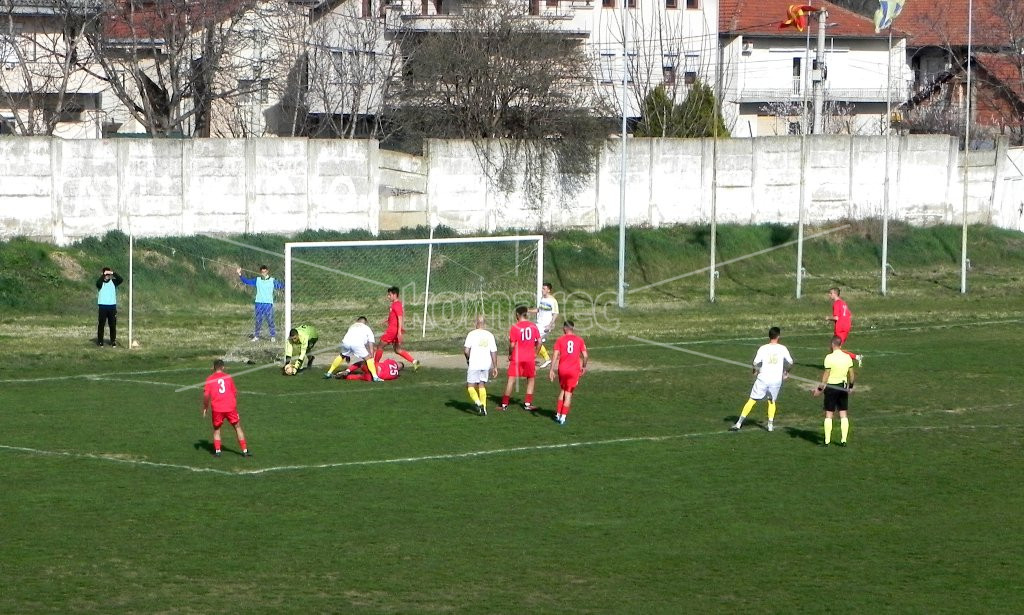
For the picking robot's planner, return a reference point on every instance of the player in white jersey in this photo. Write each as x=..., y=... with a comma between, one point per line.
x=547, y=314
x=771, y=366
x=356, y=347
x=481, y=352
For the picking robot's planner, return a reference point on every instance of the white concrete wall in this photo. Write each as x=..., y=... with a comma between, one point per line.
x=62, y=191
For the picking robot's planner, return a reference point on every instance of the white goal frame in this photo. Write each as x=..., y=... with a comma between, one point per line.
x=430, y=243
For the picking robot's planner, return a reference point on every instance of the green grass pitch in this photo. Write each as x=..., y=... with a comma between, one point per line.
x=392, y=498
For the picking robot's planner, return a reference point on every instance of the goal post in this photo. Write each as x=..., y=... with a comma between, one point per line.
x=444, y=283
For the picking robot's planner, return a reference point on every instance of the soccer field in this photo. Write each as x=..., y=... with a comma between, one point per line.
x=394, y=497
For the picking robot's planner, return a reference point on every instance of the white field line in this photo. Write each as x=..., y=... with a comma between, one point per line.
x=511, y=450
x=98, y=376
x=113, y=459
x=178, y=387
x=244, y=371
x=736, y=260
x=858, y=333
x=720, y=359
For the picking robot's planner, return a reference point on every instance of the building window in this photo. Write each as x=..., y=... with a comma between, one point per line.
x=693, y=4
x=607, y=67
x=631, y=4
x=671, y=4
x=254, y=91
x=691, y=68
x=608, y=4
x=668, y=68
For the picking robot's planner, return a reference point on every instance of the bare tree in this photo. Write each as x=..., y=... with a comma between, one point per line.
x=42, y=81
x=516, y=87
x=162, y=59
x=355, y=64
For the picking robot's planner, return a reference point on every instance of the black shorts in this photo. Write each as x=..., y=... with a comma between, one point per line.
x=837, y=397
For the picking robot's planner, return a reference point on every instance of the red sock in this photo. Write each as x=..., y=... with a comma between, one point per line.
x=852, y=355
x=558, y=408
x=565, y=408
x=529, y=398
x=405, y=355
x=216, y=446
x=242, y=444
x=378, y=354
x=504, y=400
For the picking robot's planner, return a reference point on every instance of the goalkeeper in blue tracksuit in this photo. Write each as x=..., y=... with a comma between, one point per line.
x=264, y=305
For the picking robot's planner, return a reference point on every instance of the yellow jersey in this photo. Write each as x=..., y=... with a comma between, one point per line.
x=838, y=364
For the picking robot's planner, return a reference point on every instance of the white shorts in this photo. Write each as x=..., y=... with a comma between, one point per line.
x=354, y=353
x=762, y=389
x=476, y=376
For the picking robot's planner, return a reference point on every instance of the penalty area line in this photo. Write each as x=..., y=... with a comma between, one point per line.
x=113, y=459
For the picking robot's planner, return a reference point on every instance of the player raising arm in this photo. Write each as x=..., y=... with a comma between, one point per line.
x=220, y=396
x=571, y=358
x=481, y=353
x=523, y=338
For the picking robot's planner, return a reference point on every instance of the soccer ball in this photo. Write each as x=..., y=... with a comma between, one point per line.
x=289, y=370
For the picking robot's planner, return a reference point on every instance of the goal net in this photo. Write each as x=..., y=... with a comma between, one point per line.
x=443, y=284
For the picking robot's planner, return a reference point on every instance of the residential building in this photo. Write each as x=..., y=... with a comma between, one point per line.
x=768, y=71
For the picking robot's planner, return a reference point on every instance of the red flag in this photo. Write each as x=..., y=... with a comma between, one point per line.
x=797, y=16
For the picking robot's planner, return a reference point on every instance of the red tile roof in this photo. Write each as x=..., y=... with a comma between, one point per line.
x=935, y=23
x=1005, y=70
x=762, y=18
x=151, y=21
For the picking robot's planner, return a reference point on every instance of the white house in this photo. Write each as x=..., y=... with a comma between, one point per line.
x=768, y=71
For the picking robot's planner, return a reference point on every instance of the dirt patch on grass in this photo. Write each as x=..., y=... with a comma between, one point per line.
x=69, y=267
x=457, y=361
x=157, y=260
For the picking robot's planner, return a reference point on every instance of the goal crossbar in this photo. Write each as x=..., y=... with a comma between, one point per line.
x=429, y=243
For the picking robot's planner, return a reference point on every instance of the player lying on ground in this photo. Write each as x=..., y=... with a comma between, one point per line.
x=356, y=347
x=387, y=369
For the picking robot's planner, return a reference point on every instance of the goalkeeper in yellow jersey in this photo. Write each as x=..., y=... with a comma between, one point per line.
x=300, y=341
x=547, y=315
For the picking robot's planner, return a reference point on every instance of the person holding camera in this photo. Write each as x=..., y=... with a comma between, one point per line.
x=106, y=301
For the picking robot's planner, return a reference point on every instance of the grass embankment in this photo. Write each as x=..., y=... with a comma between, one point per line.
x=177, y=273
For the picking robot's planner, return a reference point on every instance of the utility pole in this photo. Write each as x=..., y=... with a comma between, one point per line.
x=818, y=75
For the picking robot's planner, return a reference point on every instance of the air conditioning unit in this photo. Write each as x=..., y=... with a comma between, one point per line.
x=748, y=48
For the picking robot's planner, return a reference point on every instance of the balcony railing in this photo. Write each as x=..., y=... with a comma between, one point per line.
x=570, y=17
x=751, y=95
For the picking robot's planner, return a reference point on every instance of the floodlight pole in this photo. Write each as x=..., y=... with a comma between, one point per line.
x=967, y=148
x=888, y=139
x=621, y=295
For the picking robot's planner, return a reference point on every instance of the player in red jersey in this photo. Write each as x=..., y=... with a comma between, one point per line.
x=219, y=396
x=395, y=330
x=571, y=357
x=842, y=318
x=523, y=339
x=388, y=369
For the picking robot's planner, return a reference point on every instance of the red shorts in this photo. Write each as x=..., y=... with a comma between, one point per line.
x=842, y=333
x=389, y=337
x=569, y=380
x=522, y=369
x=219, y=417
